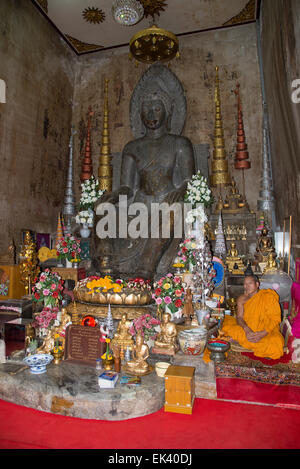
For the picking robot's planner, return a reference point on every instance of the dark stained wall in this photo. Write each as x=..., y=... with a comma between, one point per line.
x=280, y=33
x=38, y=69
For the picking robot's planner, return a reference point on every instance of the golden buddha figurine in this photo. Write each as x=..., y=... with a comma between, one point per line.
x=233, y=261
x=271, y=264
x=9, y=257
x=138, y=365
x=122, y=337
x=48, y=343
x=264, y=246
x=166, y=342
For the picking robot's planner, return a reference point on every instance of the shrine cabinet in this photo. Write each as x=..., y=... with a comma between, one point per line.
x=180, y=389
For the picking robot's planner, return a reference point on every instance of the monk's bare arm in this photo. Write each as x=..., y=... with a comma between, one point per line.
x=240, y=312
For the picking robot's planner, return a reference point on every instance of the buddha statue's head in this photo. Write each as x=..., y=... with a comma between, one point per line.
x=166, y=317
x=156, y=109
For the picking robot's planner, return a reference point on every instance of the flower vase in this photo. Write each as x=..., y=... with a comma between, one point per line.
x=198, y=225
x=49, y=302
x=85, y=231
x=69, y=264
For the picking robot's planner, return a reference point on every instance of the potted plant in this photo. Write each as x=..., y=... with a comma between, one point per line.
x=48, y=288
x=148, y=326
x=44, y=320
x=90, y=193
x=169, y=295
x=68, y=248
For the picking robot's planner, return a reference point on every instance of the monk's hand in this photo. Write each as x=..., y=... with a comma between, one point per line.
x=256, y=336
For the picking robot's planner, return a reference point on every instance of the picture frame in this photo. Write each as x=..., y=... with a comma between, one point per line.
x=43, y=240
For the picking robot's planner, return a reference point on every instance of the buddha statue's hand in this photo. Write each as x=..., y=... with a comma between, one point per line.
x=176, y=195
x=113, y=197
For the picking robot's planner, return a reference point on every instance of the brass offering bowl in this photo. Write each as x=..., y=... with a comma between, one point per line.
x=218, y=348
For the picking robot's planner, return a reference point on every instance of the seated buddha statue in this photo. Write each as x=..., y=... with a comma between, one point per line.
x=122, y=336
x=48, y=342
x=271, y=264
x=138, y=365
x=156, y=167
x=264, y=246
x=166, y=341
x=233, y=260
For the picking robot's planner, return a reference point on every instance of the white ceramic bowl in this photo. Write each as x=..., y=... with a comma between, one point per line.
x=38, y=362
x=161, y=368
x=211, y=304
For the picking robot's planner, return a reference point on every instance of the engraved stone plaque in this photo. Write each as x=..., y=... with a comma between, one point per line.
x=82, y=344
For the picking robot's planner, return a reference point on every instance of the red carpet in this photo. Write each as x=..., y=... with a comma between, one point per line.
x=213, y=425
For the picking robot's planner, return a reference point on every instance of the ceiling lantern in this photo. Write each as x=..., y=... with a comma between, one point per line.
x=127, y=12
x=154, y=45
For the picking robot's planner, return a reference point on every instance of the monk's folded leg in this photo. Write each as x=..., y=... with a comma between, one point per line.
x=270, y=346
x=232, y=329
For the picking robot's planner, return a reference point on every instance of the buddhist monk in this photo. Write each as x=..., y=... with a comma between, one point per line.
x=256, y=326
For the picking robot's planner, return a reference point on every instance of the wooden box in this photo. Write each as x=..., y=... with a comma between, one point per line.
x=10, y=283
x=180, y=389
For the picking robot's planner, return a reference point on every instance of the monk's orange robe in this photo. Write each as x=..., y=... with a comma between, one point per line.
x=261, y=313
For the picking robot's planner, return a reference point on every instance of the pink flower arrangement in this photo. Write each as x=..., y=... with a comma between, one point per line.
x=147, y=325
x=48, y=288
x=187, y=251
x=68, y=247
x=45, y=318
x=169, y=291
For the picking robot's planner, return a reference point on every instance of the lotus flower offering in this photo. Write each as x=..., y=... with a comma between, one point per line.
x=106, y=290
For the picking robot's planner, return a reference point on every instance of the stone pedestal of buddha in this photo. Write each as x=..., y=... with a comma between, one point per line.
x=166, y=342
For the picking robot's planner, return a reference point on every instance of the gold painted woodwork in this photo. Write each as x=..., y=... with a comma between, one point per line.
x=219, y=166
x=105, y=170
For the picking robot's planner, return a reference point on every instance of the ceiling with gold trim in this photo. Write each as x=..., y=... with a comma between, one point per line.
x=88, y=25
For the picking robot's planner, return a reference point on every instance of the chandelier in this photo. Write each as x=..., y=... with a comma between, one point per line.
x=127, y=12
x=154, y=45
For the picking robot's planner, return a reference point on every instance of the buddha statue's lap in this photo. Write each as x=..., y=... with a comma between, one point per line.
x=155, y=169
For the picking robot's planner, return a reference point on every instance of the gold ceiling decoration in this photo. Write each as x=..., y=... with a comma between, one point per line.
x=154, y=45
x=80, y=46
x=153, y=7
x=93, y=15
x=248, y=13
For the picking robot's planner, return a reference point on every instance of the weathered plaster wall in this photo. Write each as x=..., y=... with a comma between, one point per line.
x=281, y=62
x=234, y=50
x=38, y=69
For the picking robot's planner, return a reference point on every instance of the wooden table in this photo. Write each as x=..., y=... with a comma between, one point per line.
x=67, y=273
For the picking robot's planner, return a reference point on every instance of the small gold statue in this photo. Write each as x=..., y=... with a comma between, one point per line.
x=122, y=337
x=55, y=331
x=9, y=257
x=264, y=246
x=48, y=343
x=233, y=261
x=271, y=264
x=138, y=365
x=166, y=342
x=188, y=308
